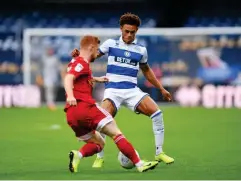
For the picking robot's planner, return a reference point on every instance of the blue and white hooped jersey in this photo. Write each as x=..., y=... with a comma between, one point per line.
x=123, y=62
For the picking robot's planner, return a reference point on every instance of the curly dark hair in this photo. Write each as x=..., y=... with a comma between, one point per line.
x=130, y=19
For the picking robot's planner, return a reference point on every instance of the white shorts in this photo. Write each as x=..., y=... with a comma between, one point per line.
x=130, y=98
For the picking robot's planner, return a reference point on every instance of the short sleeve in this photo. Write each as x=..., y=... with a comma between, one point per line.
x=144, y=57
x=77, y=69
x=104, y=48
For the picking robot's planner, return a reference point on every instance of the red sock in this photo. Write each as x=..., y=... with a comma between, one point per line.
x=90, y=149
x=126, y=148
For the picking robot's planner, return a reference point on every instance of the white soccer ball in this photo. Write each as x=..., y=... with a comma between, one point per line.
x=125, y=162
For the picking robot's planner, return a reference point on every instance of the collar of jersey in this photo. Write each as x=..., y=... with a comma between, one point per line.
x=134, y=42
x=84, y=59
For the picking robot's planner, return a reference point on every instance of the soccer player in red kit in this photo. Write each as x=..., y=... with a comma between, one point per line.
x=85, y=117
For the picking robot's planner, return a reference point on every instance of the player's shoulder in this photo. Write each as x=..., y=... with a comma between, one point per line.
x=140, y=48
x=78, y=64
x=110, y=41
x=78, y=60
x=143, y=48
x=140, y=44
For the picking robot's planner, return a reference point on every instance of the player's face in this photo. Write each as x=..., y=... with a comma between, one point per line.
x=128, y=33
x=94, y=52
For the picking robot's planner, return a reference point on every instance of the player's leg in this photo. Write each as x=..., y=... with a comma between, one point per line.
x=80, y=119
x=149, y=108
x=108, y=105
x=111, y=104
x=141, y=102
x=104, y=123
x=112, y=130
x=94, y=144
x=50, y=97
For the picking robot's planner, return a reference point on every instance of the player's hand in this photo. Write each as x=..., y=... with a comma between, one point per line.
x=75, y=53
x=91, y=82
x=71, y=101
x=166, y=95
x=101, y=79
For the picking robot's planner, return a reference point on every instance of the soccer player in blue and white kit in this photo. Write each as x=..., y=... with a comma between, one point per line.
x=125, y=57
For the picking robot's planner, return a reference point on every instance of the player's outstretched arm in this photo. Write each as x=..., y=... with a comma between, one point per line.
x=102, y=79
x=68, y=86
x=150, y=76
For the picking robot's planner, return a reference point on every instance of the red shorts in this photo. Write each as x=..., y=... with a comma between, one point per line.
x=85, y=118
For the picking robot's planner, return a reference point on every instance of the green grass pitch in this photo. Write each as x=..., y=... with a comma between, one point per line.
x=206, y=144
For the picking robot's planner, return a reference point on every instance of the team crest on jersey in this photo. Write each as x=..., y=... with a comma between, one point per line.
x=78, y=67
x=127, y=54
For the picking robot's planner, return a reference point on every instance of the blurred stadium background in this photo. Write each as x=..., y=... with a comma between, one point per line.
x=194, y=48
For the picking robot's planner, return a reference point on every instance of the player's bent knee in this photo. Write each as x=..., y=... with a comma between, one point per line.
x=109, y=107
x=101, y=146
x=97, y=139
x=102, y=142
x=111, y=130
x=147, y=106
x=116, y=134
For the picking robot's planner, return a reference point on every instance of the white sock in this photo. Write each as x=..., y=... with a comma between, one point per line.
x=101, y=154
x=80, y=155
x=139, y=164
x=158, y=130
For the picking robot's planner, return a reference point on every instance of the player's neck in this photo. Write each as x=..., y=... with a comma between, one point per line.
x=85, y=55
x=125, y=42
x=128, y=43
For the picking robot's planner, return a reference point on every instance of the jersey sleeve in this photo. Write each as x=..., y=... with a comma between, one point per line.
x=104, y=48
x=144, y=57
x=77, y=68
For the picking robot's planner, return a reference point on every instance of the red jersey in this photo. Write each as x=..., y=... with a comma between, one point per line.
x=82, y=88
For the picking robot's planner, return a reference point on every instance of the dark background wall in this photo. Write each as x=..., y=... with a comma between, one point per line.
x=168, y=13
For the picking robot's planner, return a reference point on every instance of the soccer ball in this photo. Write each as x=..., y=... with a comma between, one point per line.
x=125, y=162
